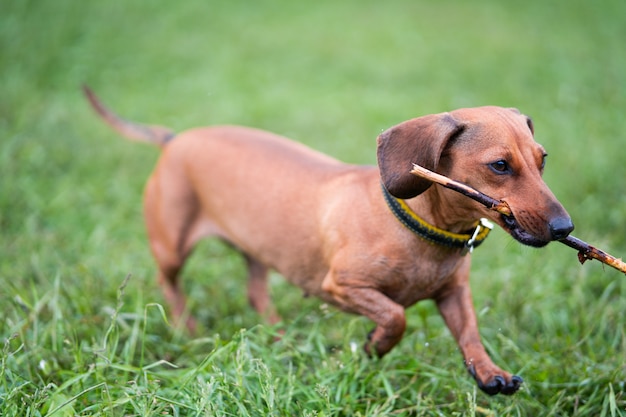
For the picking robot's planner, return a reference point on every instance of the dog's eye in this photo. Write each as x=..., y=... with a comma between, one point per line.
x=500, y=167
x=543, y=161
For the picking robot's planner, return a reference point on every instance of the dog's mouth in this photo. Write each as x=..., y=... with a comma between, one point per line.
x=511, y=225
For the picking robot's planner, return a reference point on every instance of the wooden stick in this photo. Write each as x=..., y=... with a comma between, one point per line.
x=585, y=250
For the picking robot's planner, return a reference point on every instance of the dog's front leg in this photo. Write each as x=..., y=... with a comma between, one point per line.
x=457, y=310
x=389, y=316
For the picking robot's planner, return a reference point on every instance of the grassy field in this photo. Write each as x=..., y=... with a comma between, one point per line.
x=82, y=327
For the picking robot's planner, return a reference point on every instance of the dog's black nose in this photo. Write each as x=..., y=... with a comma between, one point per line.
x=560, y=227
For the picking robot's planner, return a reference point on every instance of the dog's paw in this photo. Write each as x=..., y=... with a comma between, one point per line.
x=370, y=347
x=497, y=384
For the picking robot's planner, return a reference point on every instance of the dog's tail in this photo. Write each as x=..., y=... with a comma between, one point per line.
x=156, y=135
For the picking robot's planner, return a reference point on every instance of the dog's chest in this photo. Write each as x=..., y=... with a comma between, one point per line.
x=411, y=279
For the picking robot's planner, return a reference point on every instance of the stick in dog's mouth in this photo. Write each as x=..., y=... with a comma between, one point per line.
x=585, y=250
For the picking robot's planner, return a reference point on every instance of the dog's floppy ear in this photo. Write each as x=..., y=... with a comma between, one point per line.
x=420, y=141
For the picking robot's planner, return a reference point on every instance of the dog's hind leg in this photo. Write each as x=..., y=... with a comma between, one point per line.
x=168, y=278
x=174, y=226
x=258, y=294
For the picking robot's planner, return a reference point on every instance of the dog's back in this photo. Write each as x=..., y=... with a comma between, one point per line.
x=264, y=194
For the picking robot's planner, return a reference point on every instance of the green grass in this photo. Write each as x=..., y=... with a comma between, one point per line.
x=81, y=324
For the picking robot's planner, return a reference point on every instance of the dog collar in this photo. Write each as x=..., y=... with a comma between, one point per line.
x=465, y=241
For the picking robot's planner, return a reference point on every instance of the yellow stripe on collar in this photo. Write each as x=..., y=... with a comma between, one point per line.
x=465, y=241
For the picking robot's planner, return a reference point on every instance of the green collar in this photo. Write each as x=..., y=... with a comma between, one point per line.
x=465, y=241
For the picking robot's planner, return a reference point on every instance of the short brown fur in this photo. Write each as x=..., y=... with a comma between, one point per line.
x=325, y=226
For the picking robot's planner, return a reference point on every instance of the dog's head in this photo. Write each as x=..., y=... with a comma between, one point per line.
x=489, y=148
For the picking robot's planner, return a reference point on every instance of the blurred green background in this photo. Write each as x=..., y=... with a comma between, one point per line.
x=333, y=75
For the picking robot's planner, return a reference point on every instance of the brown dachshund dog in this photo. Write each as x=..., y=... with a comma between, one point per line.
x=371, y=241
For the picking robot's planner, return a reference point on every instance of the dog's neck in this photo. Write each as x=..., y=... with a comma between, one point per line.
x=446, y=209
x=466, y=239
